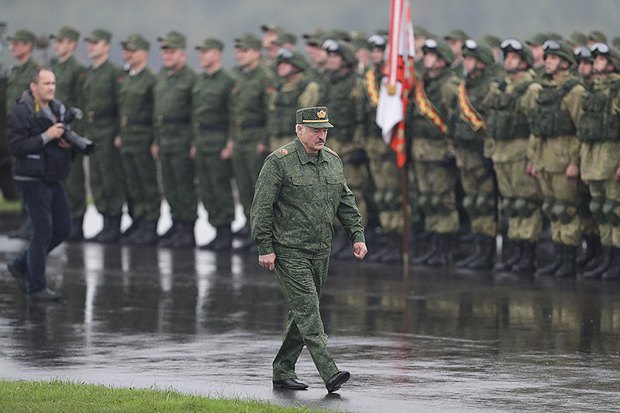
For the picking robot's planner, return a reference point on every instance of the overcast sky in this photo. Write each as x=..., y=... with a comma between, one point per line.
x=229, y=18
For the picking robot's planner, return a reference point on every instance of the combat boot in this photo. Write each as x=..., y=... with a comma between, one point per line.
x=394, y=249
x=592, y=253
x=113, y=231
x=243, y=232
x=106, y=227
x=603, y=265
x=478, y=240
x=77, y=233
x=183, y=237
x=613, y=272
x=443, y=255
x=134, y=227
x=145, y=235
x=222, y=240
x=516, y=252
x=553, y=266
x=484, y=260
x=527, y=263
x=169, y=231
x=422, y=259
x=568, y=267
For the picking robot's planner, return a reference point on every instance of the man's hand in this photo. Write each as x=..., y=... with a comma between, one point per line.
x=55, y=131
x=118, y=142
x=572, y=171
x=267, y=261
x=192, y=152
x=261, y=148
x=360, y=250
x=155, y=151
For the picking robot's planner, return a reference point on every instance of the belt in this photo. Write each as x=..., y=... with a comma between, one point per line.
x=250, y=124
x=125, y=121
x=204, y=127
x=163, y=120
x=92, y=115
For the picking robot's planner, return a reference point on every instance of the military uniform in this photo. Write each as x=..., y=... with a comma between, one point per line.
x=136, y=101
x=298, y=196
x=99, y=101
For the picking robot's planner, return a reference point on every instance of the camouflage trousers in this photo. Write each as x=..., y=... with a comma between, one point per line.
x=437, y=200
x=386, y=177
x=214, y=186
x=513, y=184
x=607, y=193
x=142, y=189
x=107, y=180
x=177, y=172
x=561, y=204
x=479, y=200
x=301, y=279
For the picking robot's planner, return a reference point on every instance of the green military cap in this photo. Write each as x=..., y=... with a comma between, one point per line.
x=23, y=36
x=315, y=39
x=136, y=42
x=456, y=34
x=172, y=40
x=292, y=57
x=313, y=117
x=270, y=27
x=359, y=40
x=339, y=35
x=421, y=32
x=597, y=36
x=480, y=51
x=554, y=36
x=66, y=32
x=492, y=40
x=440, y=48
x=211, y=43
x=578, y=38
x=99, y=34
x=286, y=37
x=537, y=40
x=248, y=41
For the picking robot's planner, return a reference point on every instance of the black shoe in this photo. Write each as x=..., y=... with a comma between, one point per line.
x=509, y=260
x=603, y=265
x=484, y=260
x=335, y=382
x=422, y=259
x=613, y=272
x=222, y=240
x=77, y=233
x=567, y=269
x=289, y=384
x=45, y=295
x=19, y=276
x=552, y=267
x=527, y=263
x=243, y=232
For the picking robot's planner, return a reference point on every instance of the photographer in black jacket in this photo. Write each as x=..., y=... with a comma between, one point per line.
x=42, y=161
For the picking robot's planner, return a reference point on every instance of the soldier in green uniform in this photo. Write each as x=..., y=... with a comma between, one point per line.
x=583, y=56
x=212, y=143
x=508, y=130
x=249, y=100
x=135, y=102
x=99, y=101
x=536, y=46
x=295, y=89
x=301, y=190
x=455, y=39
x=174, y=139
x=317, y=57
x=600, y=154
x=429, y=123
x=555, y=149
x=69, y=76
x=476, y=170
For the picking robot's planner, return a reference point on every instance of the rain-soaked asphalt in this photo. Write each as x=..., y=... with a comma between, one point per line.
x=197, y=322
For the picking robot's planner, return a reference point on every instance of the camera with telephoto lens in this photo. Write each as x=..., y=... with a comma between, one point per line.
x=86, y=146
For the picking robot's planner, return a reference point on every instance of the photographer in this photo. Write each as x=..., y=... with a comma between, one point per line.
x=43, y=160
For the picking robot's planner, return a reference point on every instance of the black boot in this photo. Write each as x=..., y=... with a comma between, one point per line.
x=169, y=232
x=106, y=227
x=243, y=232
x=183, y=237
x=394, y=250
x=77, y=233
x=603, y=265
x=613, y=272
x=516, y=251
x=113, y=231
x=592, y=253
x=568, y=267
x=135, y=226
x=484, y=260
x=527, y=263
x=464, y=263
x=222, y=240
x=422, y=259
x=553, y=266
x=443, y=255
x=145, y=235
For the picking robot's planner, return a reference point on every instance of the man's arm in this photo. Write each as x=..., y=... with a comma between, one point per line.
x=266, y=193
x=21, y=143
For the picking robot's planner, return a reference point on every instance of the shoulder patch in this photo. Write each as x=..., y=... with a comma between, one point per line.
x=330, y=150
x=283, y=151
x=279, y=153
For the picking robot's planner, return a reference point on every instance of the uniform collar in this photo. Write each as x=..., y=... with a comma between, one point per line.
x=304, y=158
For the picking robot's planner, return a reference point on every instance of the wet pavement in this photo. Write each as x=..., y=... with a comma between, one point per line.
x=438, y=340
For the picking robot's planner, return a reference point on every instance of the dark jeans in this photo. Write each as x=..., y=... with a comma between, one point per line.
x=48, y=211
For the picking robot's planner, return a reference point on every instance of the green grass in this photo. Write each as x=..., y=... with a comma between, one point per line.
x=10, y=206
x=59, y=396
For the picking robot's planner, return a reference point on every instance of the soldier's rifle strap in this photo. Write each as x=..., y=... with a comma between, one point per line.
x=468, y=112
x=427, y=109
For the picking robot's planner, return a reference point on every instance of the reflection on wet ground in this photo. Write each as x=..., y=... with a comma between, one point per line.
x=440, y=340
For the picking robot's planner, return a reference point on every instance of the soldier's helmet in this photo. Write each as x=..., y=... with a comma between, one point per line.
x=440, y=48
x=561, y=49
x=583, y=54
x=518, y=47
x=292, y=57
x=342, y=48
x=612, y=55
x=480, y=51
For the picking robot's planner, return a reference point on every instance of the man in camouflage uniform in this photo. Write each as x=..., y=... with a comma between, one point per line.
x=174, y=138
x=476, y=170
x=584, y=65
x=301, y=190
x=69, y=76
x=455, y=39
x=536, y=46
x=429, y=123
x=600, y=154
x=317, y=56
x=212, y=144
x=555, y=149
x=99, y=101
x=249, y=100
x=508, y=131
x=295, y=90
x=136, y=100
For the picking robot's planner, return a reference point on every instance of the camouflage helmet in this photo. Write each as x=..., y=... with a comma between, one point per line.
x=480, y=51
x=292, y=57
x=583, y=54
x=341, y=48
x=520, y=48
x=561, y=49
x=612, y=55
x=440, y=48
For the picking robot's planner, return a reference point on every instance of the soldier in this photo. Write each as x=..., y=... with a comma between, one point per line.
x=346, y=97
x=555, y=149
x=286, y=40
x=596, y=36
x=536, y=46
x=212, y=142
x=475, y=169
x=455, y=39
x=495, y=43
x=584, y=65
x=295, y=90
x=250, y=99
x=508, y=139
x=136, y=101
x=300, y=192
x=69, y=76
x=174, y=138
x=317, y=56
x=99, y=101
x=429, y=124
x=600, y=150
x=269, y=41
x=361, y=47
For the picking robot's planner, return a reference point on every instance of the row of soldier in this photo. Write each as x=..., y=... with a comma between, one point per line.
x=501, y=131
